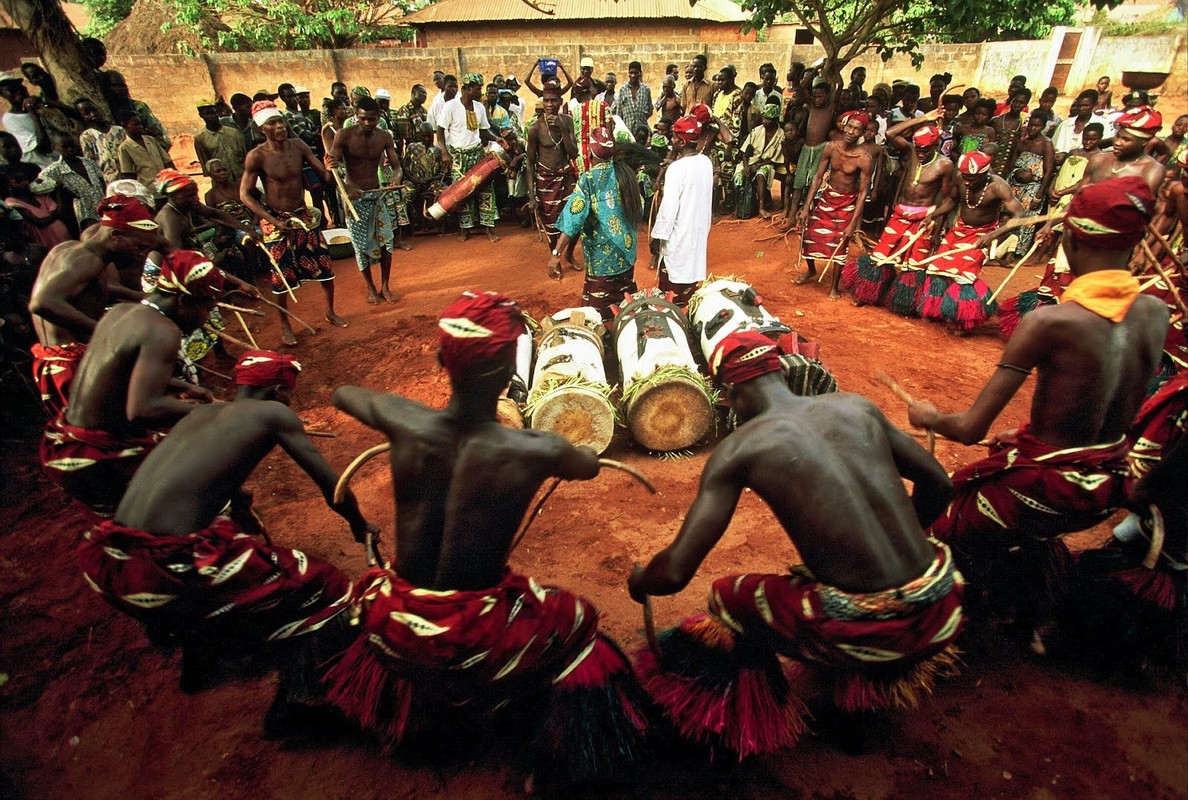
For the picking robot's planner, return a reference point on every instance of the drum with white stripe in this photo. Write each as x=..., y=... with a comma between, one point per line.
x=722, y=306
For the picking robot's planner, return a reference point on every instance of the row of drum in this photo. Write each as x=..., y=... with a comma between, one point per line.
x=655, y=383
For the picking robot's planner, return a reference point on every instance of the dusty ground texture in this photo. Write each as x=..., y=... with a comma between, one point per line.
x=91, y=710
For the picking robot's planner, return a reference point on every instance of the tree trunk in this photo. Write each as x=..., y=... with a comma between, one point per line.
x=58, y=44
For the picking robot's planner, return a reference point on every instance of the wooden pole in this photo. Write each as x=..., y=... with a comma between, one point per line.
x=279, y=272
x=291, y=315
x=1014, y=269
x=903, y=395
x=1167, y=248
x=255, y=312
x=346, y=198
x=1175, y=293
x=213, y=372
x=247, y=330
x=228, y=337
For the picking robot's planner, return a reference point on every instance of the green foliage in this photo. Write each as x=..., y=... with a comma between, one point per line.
x=105, y=15
x=291, y=24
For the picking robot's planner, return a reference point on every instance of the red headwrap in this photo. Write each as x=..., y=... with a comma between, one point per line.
x=125, y=213
x=701, y=112
x=861, y=117
x=1144, y=121
x=601, y=144
x=687, y=129
x=975, y=162
x=477, y=327
x=266, y=368
x=190, y=273
x=1113, y=214
x=170, y=181
x=926, y=135
x=744, y=356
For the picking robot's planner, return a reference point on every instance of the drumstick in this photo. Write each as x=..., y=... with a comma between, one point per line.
x=228, y=337
x=911, y=240
x=1166, y=247
x=922, y=435
x=1158, y=533
x=280, y=273
x=1014, y=269
x=903, y=395
x=825, y=270
x=321, y=434
x=247, y=330
x=1175, y=293
x=255, y=312
x=213, y=372
x=344, y=480
x=346, y=197
x=965, y=248
x=634, y=473
x=650, y=626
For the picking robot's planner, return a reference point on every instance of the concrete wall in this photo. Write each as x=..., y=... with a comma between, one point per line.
x=173, y=85
x=546, y=36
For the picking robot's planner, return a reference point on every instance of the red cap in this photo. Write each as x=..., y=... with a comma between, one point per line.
x=477, y=327
x=267, y=368
x=190, y=273
x=602, y=145
x=687, y=129
x=1113, y=214
x=170, y=181
x=744, y=356
x=1143, y=121
x=925, y=135
x=123, y=212
x=701, y=112
x=974, y=162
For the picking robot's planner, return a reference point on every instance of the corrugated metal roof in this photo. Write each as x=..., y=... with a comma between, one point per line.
x=517, y=10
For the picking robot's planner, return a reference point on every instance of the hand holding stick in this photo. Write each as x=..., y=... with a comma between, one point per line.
x=903, y=395
x=345, y=196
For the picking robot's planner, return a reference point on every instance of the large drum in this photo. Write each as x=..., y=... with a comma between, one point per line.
x=666, y=400
x=723, y=306
x=510, y=408
x=570, y=395
x=458, y=191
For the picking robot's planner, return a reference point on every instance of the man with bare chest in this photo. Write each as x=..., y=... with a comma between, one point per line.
x=1129, y=155
x=120, y=401
x=828, y=221
x=360, y=148
x=819, y=122
x=953, y=290
x=891, y=277
x=551, y=151
x=1094, y=355
x=74, y=287
x=291, y=235
x=462, y=486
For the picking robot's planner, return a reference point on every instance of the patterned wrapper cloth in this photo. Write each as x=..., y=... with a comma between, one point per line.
x=54, y=368
x=373, y=231
x=218, y=581
x=483, y=201
x=829, y=217
x=422, y=650
x=719, y=679
x=603, y=291
x=93, y=466
x=553, y=188
x=300, y=252
x=1027, y=193
x=953, y=290
x=1160, y=424
x=874, y=281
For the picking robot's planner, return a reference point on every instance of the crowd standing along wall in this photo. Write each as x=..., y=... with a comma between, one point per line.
x=174, y=85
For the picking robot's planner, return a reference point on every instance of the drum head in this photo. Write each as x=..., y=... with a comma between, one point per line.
x=581, y=415
x=672, y=415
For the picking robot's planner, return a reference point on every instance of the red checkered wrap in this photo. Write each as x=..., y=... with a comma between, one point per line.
x=830, y=216
x=478, y=327
x=93, y=466
x=54, y=368
x=218, y=578
x=1029, y=490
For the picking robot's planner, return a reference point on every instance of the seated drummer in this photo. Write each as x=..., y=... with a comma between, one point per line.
x=451, y=624
x=176, y=556
x=875, y=607
x=121, y=399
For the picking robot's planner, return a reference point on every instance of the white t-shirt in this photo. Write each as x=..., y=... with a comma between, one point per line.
x=453, y=119
x=684, y=217
x=24, y=128
x=1065, y=139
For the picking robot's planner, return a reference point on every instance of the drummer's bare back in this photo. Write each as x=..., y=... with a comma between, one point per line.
x=461, y=488
x=280, y=169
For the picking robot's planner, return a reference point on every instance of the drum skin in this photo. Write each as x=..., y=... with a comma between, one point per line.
x=570, y=395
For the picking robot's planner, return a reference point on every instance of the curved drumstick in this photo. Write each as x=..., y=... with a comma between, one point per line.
x=280, y=273
x=1014, y=269
x=632, y=471
x=1157, y=535
x=903, y=395
x=344, y=479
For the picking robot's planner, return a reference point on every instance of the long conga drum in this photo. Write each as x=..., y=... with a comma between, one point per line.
x=510, y=408
x=570, y=395
x=667, y=402
x=470, y=182
x=722, y=306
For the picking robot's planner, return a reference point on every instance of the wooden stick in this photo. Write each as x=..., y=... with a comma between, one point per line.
x=255, y=312
x=634, y=473
x=213, y=372
x=650, y=627
x=291, y=315
x=911, y=240
x=1167, y=248
x=903, y=395
x=1014, y=269
x=229, y=338
x=1175, y=293
x=346, y=198
x=321, y=434
x=344, y=480
x=825, y=270
x=1157, y=535
x=965, y=248
x=923, y=435
x=247, y=330
x=280, y=273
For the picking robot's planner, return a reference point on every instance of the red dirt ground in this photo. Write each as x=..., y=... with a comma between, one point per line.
x=91, y=710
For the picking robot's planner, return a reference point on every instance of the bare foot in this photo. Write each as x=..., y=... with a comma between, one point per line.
x=834, y=294
x=334, y=319
x=372, y=297
x=389, y=295
x=403, y=245
x=464, y=235
x=805, y=277
x=287, y=337
x=491, y=235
